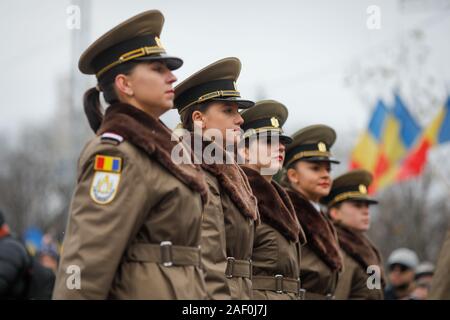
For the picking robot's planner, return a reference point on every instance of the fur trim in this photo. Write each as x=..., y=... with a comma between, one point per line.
x=359, y=247
x=274, y=205
x=235, y=183
x=320, y=232
x=154, y=138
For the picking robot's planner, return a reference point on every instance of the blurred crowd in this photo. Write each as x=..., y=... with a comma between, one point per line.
x=26, y=272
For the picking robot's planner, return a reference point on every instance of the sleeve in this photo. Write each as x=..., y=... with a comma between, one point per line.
x=440, y=286
x=359, y=289
x=97, y=234
x=213, y=245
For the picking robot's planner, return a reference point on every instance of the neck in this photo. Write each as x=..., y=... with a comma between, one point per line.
x=339, y=222
x=308, y=196
x=151, y=111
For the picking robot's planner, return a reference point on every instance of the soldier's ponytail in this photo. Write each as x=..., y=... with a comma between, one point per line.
x=93, y=108
x=91, y=101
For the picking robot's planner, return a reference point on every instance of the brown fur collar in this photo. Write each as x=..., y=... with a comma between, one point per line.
x=274, y=205
x=235, y=183
x=320, y=233
x=359, y=247
x=154, y=138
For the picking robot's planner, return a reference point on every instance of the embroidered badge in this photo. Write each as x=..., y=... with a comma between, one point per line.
x=106, y=178
x=104, y=187
x=107, y=163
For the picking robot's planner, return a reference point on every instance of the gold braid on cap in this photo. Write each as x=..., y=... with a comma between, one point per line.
x=133, y=54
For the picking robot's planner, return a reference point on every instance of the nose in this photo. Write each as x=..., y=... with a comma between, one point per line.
x=171, y=77
x=239, y=119
x=365, y=210
x=325, y=173
x=282, y=147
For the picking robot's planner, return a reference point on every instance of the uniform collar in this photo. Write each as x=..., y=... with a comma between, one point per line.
x=316, y=205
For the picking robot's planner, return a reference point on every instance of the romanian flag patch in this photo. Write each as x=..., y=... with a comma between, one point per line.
x=108, y=163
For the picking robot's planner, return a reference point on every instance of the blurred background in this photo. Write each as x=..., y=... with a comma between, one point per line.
x=378, y=72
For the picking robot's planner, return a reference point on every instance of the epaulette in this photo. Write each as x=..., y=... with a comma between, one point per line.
x=111, y=138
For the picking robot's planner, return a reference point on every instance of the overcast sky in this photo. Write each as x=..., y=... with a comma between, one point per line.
x=296, y=52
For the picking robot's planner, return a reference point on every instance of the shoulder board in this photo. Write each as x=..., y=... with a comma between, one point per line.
x=111, y=138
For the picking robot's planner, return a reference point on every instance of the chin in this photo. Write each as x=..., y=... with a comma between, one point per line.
x=167, y=106
x=237, y=139
x=322, y=192
x=273, y=169
x=277, y=167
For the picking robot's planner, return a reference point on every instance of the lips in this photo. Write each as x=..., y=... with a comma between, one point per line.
x=324, y=185
x=170, y=91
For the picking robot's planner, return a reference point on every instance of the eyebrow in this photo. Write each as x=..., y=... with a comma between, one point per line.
x=230, y=104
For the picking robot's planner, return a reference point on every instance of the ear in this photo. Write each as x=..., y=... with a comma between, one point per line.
x=197, y=116
x=334, y=214
x=123, y=85
x=292, y=175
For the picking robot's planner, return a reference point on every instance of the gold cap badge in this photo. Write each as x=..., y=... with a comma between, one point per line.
x=274, y=122
x=362, y=189
x=322, y=147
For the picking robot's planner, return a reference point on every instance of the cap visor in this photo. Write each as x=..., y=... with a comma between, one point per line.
x=321, y=159
x=243, y=104
x=366, y=199
x=282, y=138
x=172, y=63
x=285, y=139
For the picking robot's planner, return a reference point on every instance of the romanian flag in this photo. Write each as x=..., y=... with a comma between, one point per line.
x=391, y=133
x=437, y=132
x=107, y=163
x=365, y=154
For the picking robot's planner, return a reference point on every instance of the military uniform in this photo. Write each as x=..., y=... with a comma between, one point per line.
x=230, y=214
x=276, y=248
x=359, y=253
x=321, y=257
x=440, y=286
x=135, y=216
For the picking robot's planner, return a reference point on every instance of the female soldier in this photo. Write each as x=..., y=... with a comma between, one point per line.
x=308, y=179
x=348, y=207
x=276, y=249
x=208, y=102
x=134, y=224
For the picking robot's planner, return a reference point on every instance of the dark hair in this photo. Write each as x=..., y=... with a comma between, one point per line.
x=91, y=100
x=186, y=116
x=337, y=205
x=284, y=180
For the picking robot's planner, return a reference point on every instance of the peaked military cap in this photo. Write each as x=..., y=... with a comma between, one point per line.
x=311, y=143
x=135, y=39
x=266, y=117
x=352, y=185
x=216, y=82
